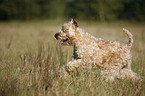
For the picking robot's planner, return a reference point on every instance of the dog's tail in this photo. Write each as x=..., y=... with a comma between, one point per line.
x=130, y=36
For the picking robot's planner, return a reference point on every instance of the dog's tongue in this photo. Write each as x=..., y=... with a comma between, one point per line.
x=61, y=42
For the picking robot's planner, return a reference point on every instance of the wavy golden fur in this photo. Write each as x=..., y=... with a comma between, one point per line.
x=112, y=57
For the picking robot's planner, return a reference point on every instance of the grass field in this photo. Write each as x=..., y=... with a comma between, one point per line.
x=31, y=60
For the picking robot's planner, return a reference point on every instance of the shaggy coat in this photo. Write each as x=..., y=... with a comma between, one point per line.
x=112, y=57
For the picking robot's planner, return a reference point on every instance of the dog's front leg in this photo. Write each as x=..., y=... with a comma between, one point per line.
x=72, y=65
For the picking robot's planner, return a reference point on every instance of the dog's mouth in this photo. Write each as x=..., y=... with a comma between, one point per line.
x=63, y=41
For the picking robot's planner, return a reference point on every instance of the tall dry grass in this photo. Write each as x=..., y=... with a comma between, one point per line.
x=31, y=61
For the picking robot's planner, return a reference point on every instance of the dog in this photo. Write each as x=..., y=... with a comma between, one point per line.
x=112, y=57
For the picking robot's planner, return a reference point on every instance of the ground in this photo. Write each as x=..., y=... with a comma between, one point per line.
x=31, y=60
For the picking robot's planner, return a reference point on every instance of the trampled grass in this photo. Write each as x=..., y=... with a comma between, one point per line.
x=31, y=61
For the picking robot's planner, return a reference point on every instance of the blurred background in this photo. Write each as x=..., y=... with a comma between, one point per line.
x=99, y=10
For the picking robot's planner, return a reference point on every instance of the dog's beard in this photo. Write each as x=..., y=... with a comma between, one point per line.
x=64, y=41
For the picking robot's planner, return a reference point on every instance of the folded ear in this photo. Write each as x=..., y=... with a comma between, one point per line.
x=75, y=23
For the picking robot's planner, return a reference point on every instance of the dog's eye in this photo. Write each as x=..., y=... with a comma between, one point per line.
x=64, y=31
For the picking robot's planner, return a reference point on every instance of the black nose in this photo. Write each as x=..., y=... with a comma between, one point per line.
x=56, y=35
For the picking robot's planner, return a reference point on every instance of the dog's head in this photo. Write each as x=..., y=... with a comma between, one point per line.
x=67, y=33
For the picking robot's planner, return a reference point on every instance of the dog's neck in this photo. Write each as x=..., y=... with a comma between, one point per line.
x=78, y=38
